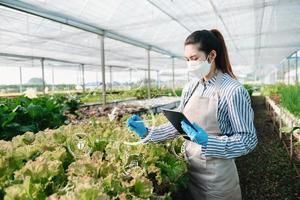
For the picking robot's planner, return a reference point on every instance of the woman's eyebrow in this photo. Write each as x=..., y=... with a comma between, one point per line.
x=191, y=56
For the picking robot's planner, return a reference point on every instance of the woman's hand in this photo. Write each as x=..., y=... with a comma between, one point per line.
x=196, y=133
x=136, y=124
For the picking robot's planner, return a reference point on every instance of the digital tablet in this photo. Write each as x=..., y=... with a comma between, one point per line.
x=175, y=117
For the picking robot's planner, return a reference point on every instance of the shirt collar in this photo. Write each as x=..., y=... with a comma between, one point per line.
x=210, y=81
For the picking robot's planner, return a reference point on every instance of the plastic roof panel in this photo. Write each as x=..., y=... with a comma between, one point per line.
x=257, y=33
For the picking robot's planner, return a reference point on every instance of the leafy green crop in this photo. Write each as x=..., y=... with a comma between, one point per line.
x=289, y=96
x=290, y=99
x=249, y=88
x=139, y=93
x=142, y=92
x=22, y=114
x=268, y=90
x=89, y=161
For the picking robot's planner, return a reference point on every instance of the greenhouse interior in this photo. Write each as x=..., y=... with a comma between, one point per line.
x=98, y=98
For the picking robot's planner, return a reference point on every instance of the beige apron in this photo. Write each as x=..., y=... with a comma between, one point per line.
x=209, y=178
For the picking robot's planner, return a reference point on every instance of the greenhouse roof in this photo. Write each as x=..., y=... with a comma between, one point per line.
x=258, y=33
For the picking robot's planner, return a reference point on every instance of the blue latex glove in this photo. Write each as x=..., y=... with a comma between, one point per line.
x=196, y=133
x=136, y=124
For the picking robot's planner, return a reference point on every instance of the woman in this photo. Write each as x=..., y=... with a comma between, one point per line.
x=220, y=110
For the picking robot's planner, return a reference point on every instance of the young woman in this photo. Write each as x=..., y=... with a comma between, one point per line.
x=220, y=110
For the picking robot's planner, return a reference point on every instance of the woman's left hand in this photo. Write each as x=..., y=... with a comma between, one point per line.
x=196, y=133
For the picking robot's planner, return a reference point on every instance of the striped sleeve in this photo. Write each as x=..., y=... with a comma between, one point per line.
x=243, y=138
x=167, y=131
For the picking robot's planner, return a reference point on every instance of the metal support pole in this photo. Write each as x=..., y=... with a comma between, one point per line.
x=78, y=76
x=43, y=75
x=258, y=74
x=110, y=77
x=283, y=74
x=130, y=76
x=21, y=81
x=157, y=79
x=288, y=71
x=296, y=82
x=52, y=72
x=173, y=73
x=97, y=79
x=276, y=75
x=103, y=70
x=255, y=74
x=149, y=83
x=145, y=79
x=83, y=80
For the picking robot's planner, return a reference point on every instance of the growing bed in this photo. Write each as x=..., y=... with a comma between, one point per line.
x=89, y=161
x=283, y=103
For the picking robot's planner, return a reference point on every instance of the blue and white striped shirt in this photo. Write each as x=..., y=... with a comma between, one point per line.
x=235, y=117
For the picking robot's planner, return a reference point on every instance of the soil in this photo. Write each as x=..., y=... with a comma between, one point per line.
x=117, y=112
x=267, y=173
x=276, y=98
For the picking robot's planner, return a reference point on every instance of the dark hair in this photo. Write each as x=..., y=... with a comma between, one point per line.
x=212, y=40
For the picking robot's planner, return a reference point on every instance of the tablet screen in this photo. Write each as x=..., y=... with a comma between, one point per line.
x=175, y=117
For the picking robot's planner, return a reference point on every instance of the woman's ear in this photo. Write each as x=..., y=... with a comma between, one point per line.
x=212, y=56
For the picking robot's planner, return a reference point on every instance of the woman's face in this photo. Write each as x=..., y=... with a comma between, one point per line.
x=191, y=52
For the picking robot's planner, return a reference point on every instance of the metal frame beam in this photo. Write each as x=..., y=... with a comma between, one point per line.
x=217, y=13
x=270, y=47
x=173, y=18
x=36, y=57
x=65, y=61
x=258, y=29
x=77, y=23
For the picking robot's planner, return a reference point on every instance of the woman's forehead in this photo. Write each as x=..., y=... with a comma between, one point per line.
x=192, y=50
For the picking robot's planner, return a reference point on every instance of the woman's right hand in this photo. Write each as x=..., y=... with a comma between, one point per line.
x=136, y=124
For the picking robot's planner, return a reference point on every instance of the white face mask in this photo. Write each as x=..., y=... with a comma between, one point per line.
x=197, y=68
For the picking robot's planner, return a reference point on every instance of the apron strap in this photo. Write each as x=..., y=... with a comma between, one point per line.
x=191, y=94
